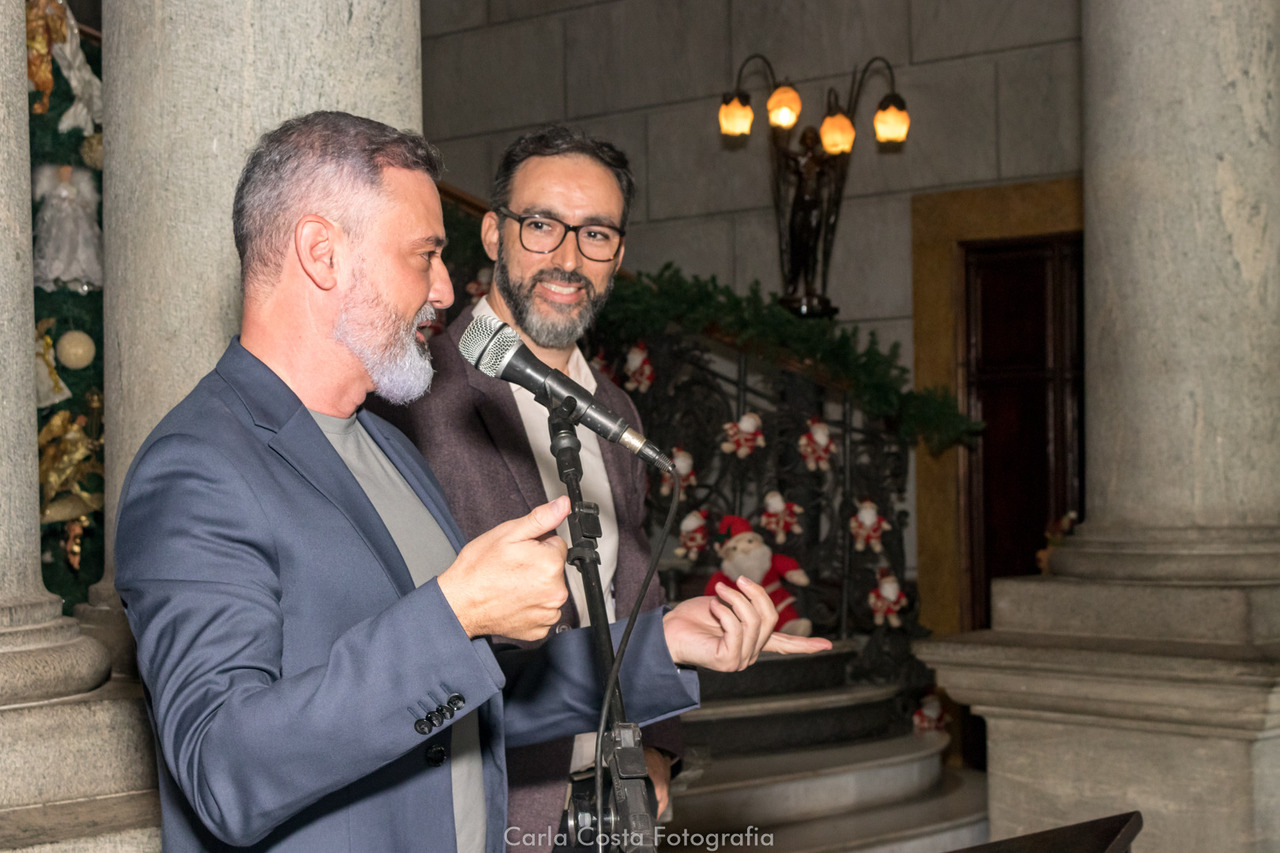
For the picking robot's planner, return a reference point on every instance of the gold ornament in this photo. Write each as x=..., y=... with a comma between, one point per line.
x=46, y=26
x=67, y=455
x=45, y=353
x=91, y=151
x=76, y=350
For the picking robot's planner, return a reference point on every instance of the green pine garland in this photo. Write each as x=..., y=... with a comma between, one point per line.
x=647, y=305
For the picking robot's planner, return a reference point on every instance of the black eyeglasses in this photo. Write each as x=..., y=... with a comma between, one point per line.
x=544, y=234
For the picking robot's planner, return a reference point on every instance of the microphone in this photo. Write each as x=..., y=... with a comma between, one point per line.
x=494, y=348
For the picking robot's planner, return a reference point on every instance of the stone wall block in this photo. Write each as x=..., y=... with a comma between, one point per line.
x=644, y=53
x=467, y=164
x=446, y=16
x=493, y=78
x=953, y=129
x=871, y=259
x=510, y=10
x=805, y=39
x=755, y=252
x=701, y=247
x=1101, y=771
x=1039, y=109
x=693, y=172
x=88, y=746
x=1145, y=611
x=941, y=29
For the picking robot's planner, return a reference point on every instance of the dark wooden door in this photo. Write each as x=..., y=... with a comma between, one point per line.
x=1024, y=373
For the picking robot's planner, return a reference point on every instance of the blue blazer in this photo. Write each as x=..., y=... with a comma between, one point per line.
x=288, y=659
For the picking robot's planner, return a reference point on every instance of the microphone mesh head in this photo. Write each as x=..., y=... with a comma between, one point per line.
x=487, y=344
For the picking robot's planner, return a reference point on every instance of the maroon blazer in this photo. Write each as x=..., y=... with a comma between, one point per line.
x=469, y=429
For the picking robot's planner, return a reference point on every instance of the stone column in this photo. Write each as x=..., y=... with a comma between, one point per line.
x=42, y=653
x=60, y=738
x=1144, y=673
x=188, y=88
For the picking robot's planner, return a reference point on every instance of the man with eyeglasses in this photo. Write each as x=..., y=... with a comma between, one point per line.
x=556, y=234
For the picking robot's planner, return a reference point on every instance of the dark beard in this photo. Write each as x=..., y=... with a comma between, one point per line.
x=561, y=329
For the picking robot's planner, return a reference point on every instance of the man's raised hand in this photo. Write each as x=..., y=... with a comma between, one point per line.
x=727, y=631
x=510, y=580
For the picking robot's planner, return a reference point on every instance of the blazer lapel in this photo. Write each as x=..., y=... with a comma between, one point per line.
x=496, y=407
x=302, y=444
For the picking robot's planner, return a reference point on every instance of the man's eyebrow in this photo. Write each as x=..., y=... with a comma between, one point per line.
x=590, y=220
x=433, y=242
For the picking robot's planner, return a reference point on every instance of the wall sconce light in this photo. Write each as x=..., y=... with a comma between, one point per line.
x=808, y=184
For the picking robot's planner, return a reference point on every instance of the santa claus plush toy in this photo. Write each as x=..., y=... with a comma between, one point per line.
x=479, y=287
x=743, y=437
x=683, y=460
x=780, y=517
x=867, y=527
x=600, y=363
x=693, y=535
x=742, y=551
x=930, y=717
x=638, y=369
x=816, y=447
x=887, y=598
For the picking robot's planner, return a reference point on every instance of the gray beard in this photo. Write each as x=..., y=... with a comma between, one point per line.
x=398, y=364
x=561, y=329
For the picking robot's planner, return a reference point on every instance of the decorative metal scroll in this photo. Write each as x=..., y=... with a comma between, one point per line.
x=688, y=391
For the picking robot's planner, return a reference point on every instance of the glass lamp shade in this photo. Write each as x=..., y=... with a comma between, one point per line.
x=837, y=133
x=735, y=116
x=784, y=107
x=892, y=121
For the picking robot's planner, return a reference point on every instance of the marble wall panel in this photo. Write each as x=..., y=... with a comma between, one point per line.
x=630, y=133
x=871, y=260
x=492, y=78
x=701, y=246
x=953, y=130
x=942, y=29
x=446, y=16
x=693, y=172
x=466, y=163
x=1040, y=109
x=804, y=39
x=645, y=52
x=755, y=252
x=510, y=10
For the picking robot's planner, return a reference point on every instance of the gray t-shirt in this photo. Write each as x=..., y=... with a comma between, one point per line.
x=427, y=553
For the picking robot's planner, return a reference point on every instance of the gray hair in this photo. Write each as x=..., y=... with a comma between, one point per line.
x=324, y=163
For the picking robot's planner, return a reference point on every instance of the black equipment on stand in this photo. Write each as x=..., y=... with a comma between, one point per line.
x=620, y=812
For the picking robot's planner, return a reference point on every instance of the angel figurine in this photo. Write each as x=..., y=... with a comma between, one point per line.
x=68, y=246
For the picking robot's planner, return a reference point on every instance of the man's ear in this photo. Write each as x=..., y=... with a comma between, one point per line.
x=489, y=230
x=315, y=241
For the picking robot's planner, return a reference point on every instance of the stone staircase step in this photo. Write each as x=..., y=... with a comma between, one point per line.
x=122, y=823
x=774, y=674
x=792, y=721
x=951, y=816
x=797, y=785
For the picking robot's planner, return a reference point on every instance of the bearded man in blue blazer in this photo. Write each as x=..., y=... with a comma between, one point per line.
x=312, y=632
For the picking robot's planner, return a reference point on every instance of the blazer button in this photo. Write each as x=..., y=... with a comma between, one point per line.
x=436, y=718
x=560, y=629
x=436, y=755
x=456, y=701
x=423, y=726
x=447, y=710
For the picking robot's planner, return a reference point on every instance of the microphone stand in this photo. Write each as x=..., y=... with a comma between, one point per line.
x=627, y=819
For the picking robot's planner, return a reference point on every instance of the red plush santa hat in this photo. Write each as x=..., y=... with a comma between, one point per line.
x=884, y=572
x=731, y=526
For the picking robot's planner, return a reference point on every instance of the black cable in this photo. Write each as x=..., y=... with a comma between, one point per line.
x=612, y=681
